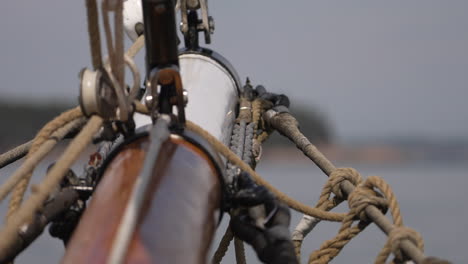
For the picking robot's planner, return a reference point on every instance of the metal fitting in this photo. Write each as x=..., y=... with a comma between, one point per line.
x=96, y=94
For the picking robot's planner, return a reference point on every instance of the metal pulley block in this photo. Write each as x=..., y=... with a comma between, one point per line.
x=206, y=24
x=97, y=95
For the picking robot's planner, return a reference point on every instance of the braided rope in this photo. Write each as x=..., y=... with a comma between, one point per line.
x=296, y=205
x=223, y=246
x=239, y=251
x=232, y=157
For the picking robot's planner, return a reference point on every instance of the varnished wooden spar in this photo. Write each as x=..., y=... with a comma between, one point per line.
x=180, y=213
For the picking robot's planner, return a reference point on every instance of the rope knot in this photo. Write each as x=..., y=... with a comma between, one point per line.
x=363, y=196
x=397, y=235
x=342, y=174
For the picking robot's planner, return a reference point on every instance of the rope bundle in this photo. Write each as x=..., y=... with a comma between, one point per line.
x=373, y=192
x=48, y=137
x=368, y=200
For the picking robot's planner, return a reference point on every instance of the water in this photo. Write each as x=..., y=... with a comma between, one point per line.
x=432, y=197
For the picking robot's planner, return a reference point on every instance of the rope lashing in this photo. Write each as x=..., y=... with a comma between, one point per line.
x=362, y=197
x=15, y=154
x=395, y=238
x=307, y=222
x=379, y=184
x=358, y=200
x=340, y=175
x=53, y=178
x=287, y=125
x=333, y=183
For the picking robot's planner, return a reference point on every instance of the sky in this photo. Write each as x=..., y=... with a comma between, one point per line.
x=376, y=69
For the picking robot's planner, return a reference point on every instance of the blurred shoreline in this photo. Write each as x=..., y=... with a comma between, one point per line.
x=22, y=120
x=372, y=153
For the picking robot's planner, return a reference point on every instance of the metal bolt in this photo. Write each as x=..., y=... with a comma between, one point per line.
x=211, y=24
x=149, y=101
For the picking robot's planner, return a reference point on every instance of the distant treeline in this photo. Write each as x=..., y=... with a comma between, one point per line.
x=21, y=121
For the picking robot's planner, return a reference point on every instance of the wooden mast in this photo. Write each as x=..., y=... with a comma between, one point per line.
x=180, y=214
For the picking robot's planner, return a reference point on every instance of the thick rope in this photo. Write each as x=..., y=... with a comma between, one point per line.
x=358, y=200
x=136, y=47
x=93, y=33
x=40, y=193
x=382, y=186
x=223, y=246
x=119, y=66
x=395, y=238
x=287, y=125
x=15, y=154
x=115, y=51
x=307, y=222
x=239, y=251
x=31, y=162
x=42, y=136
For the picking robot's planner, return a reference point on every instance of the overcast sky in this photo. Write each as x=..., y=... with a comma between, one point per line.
x=375, y=68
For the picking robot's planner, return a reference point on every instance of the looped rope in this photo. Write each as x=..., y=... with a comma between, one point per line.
x=386, y=190
x=395, y=237
x=361, y=197
x=342, y=174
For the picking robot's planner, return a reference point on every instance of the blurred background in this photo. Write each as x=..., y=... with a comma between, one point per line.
x=379, y=85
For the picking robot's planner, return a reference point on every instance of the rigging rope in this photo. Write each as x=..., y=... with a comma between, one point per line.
x=42, y=136
x=15, y=154
x=366, y=208
x=223, y=246
x=367, y=201
x=53, y=178
x=34, y=158
x=232, y=157
x=287, y=125
x=93, y=33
